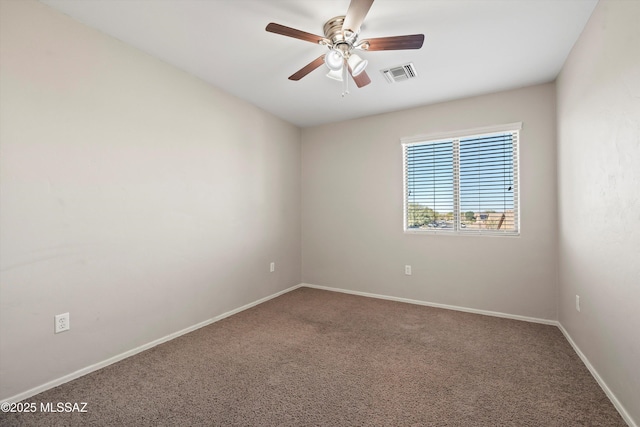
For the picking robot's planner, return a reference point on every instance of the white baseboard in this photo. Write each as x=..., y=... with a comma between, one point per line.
x=437, y=305
x=612, y=397
x=91, y=368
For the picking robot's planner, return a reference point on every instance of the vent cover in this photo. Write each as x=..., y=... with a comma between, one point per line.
x=400, y=73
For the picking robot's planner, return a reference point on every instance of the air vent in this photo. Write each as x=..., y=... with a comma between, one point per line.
x=400, y=73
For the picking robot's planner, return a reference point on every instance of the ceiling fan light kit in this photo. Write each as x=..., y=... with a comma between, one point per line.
x=341, y=37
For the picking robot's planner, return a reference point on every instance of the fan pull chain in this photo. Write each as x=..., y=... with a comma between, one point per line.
x=345, y=80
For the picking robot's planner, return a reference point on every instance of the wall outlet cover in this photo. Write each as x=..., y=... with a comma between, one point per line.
x=62, y=323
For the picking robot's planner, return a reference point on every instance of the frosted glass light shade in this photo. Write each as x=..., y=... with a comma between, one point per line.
x=357, y=64
x=335, y=75
x=334, y=60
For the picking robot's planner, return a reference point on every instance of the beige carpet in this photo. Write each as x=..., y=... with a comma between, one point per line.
x=314, y=357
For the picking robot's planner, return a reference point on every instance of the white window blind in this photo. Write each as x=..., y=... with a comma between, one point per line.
x=430, y=179
x=463, y=184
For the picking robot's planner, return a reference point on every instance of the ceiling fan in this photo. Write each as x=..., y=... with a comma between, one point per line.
x=341, y=37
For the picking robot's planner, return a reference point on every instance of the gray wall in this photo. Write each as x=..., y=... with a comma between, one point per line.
x=599, y=196
x=352, y=208
x=134, y=196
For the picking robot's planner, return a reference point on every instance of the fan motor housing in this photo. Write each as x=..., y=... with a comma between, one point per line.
x=333, y=30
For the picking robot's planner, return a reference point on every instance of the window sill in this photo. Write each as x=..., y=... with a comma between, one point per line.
x=445, y=232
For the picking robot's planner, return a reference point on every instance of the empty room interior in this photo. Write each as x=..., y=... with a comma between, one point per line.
x=280, y=212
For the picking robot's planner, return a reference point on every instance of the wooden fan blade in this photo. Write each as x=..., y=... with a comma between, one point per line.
x=307, y=68
x=358, y=9
x=413, y=41
x=361, y=79
x=292, y=32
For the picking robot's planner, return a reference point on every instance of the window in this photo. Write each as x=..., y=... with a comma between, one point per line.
x=463, y=184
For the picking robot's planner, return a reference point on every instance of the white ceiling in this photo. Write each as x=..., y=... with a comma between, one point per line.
x=471, y=47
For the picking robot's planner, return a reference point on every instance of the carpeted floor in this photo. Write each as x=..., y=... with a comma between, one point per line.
x=313, y=357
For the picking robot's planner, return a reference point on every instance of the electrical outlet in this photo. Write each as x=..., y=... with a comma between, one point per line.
x=272, y=267
x=407, y=270
x=578, y=302
x=62, y=323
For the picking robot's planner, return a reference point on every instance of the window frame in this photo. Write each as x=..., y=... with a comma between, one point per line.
x=455, y=137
